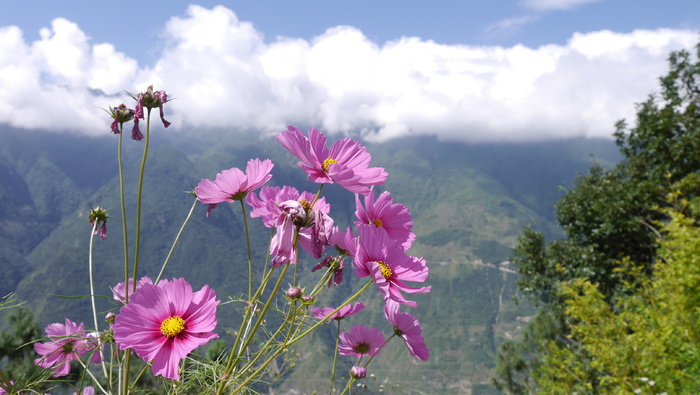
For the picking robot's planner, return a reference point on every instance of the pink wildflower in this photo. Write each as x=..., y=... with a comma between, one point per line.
x=409, y=329
x=164, y=323
x=386, y=261
x=232, y=185
x=346, y=163
x=383, y=213
x=361, y=341
x=89, y=390
x=344, y=311
x=119, y=290
x=4, y=387
x=66, y=343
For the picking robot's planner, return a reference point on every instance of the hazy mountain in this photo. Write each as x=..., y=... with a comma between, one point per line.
x=469, y=203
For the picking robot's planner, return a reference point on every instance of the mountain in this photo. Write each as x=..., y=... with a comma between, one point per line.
x=469, y=203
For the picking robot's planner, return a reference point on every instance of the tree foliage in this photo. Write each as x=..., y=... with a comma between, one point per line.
x=609, y=216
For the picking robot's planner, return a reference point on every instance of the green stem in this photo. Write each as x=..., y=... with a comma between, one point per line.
x=177, y=239
x=123, y=204
x=138, y=199
x=295, y=339
x=250, y=254
x=335, y=357
x=233, y=362
x=322, y=321
x=92, y=292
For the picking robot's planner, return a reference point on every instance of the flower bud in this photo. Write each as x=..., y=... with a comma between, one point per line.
x=358, y=372
x=294, y=293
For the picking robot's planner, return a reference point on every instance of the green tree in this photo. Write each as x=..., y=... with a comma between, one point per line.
x=608, y=216
x=649, y=341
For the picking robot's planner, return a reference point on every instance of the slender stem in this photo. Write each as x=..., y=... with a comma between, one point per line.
x=94, y=379
x=177, y=239
x=138, y=198
x=233, y=362
x=127, y=366
x=335, y=357
x=294, y=340
x=123, y=204
x=92, y=292
x=322, y=321
x=250, y=254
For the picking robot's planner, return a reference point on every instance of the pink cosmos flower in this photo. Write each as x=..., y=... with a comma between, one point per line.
x=361, y=341
x=119, y=290
x=89, y=390
x=164, y=323
x=386, y=261
x=409, y=329
x=347, y=162
x=384, y=213
x=148, y=99
x=267, y=207
x=3, y=391
x=67, y=342
x=232, y=185
x=344, y=311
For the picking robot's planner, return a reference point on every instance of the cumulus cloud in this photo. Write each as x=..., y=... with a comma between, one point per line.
x=225, y=75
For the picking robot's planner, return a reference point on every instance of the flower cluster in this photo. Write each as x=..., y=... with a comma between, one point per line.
x=164, y=321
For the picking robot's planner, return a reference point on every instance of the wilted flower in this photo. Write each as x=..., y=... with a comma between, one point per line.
x=120, y=115
x=164, y=323
x=384, y=213
x=386, y=261
x=98, y=219
x=344, y=311
x=346, y=163
x=361, y=341
x=232, y=185
x=148, y=99
x=409, y=329
x=282, y=247
x=67, y=342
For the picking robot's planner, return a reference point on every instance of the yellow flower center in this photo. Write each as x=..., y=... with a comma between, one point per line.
x=305, y=204
x=377, y=222
x=386, y=270
x=327, y=163
x=172, y=326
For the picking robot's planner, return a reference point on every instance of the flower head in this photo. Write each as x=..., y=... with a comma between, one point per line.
x=358, y=372
x=120, y=115
x=119, y=290
x=344, y=311
x=232, y=185
x=67, y=342
x=346, y=163
x=384, y=213
x=148, y=99
x=386, y=261
x=361, y=341
x=409, y=329
x=164, y=323
x=98, y=219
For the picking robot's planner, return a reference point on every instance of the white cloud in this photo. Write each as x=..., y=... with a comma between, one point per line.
x=547, y=5
x=225, y=75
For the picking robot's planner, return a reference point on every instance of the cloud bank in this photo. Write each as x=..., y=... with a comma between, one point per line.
x=225, y=75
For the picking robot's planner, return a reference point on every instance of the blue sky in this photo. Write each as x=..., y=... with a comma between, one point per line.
x=469, y=70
